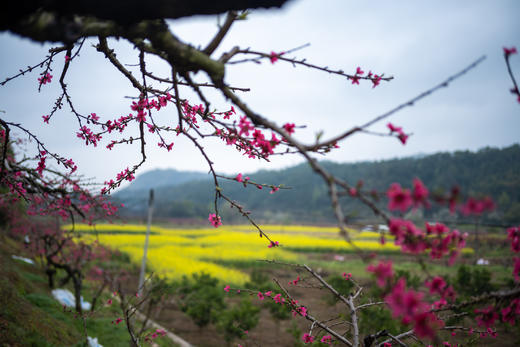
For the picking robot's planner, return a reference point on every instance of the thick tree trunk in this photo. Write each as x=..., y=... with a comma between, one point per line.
x=50, y=276
x=97, y=295
x=26, y=17
x=77, y=292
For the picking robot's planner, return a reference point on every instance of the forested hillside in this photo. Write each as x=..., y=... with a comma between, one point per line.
x=490, y=171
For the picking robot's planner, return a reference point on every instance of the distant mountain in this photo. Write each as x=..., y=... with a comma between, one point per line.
x=136, y=194
x=489, y=171
x=163, y=177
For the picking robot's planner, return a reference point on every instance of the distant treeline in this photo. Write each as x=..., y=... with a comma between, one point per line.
x=490, y=171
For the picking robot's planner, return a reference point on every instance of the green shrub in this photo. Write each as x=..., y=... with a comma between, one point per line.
x=277, y=311
x=412, y=281
x=376, y=318
x=201, y=298
x=239, y=318
x=343, y=286
x=259, y=280
x=470, y=282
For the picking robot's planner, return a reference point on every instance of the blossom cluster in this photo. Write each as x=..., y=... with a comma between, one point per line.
x=409, y=306
x=41, y=164
x=476, y=207
x=246, y=180
x=450, y=199
x=242, y=134
x=47, y=192
x=249, y=139
x=376, y=79
x=117, y=124
x=511, y=312
x=402, y=199
x=145, y=104
x=307, y=338
x=437, y=285
x=215, y=220
x=383, y=271
x=47, y=78
x=155, y=334
x=141, y=107
x=86, y=134
x=126, y=174
x=273, y=57
x=513, y=233
x=273, y=244
x=401, y=135
x=437, y=238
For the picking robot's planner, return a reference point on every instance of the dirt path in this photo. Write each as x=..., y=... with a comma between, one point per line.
x=176, y=339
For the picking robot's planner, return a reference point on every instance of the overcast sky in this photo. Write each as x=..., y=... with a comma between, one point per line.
x=419, y=43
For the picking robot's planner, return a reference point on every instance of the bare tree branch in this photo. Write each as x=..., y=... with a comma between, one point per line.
x=411, y=102
x=212, y=46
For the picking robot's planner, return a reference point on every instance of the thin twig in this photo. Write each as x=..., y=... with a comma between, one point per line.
x=314, y=320
x=371, y=304
x=411, y=102
x=215, y=42
x=510, y=71
x=397, y=338
x=53, y=51
x=502, y=294
x=209, y=85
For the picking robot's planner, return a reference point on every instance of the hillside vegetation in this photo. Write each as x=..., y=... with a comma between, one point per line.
x=489, y=171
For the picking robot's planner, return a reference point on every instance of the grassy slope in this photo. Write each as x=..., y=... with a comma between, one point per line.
x=22, y=323
x=30, y=316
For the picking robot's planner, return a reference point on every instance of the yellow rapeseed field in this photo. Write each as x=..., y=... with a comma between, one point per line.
x=181, y=251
